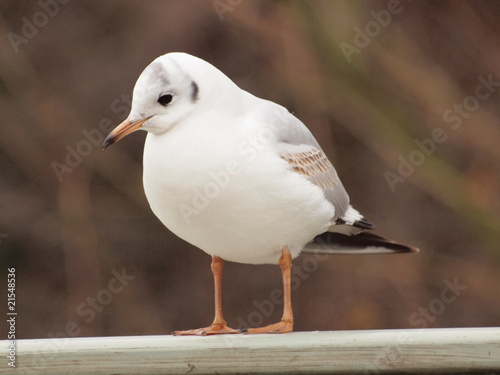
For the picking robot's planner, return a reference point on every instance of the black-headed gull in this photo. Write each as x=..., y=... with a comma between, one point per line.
x=239, y=177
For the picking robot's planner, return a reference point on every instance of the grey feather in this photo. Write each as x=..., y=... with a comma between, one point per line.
x=300, y=149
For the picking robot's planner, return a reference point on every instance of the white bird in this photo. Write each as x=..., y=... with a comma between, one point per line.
x=239, y=177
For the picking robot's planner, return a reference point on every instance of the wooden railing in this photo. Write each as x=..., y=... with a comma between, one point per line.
x=457, y=350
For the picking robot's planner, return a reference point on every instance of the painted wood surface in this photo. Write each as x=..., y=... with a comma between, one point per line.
x=458, y=350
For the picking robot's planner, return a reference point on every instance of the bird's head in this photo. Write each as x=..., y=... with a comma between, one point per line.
x=169, y=89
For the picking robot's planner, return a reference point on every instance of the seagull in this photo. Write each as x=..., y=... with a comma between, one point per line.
x=239, y=177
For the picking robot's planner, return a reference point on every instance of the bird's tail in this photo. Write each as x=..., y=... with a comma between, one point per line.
x=358, y=243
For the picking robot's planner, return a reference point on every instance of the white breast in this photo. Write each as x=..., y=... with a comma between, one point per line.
x=231, y=195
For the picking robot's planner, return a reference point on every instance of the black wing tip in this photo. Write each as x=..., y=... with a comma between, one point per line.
x=362, y=223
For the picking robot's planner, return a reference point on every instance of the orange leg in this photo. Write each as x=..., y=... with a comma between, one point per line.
x=286, y=323
x=219, y=326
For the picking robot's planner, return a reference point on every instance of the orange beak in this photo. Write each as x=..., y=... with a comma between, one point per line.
x=122, y=130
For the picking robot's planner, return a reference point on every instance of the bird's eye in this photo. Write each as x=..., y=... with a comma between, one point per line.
x=165, y=99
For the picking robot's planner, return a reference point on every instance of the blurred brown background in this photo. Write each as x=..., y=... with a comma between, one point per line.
x=373, y=80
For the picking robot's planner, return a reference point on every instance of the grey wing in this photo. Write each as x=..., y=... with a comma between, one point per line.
x=300, y=149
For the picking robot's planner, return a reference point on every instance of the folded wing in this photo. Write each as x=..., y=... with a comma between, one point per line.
x=348, y=232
